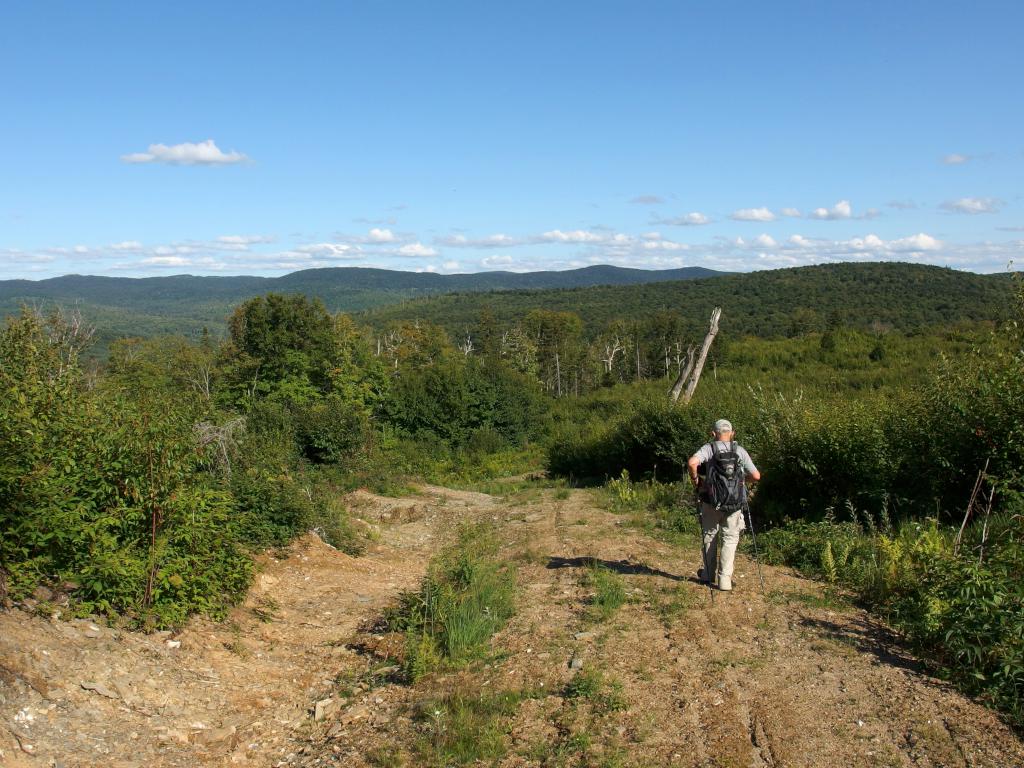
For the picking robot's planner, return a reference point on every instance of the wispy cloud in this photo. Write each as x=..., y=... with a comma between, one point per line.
x=692, y=219
x=490, y=241
x=330, y=250
x=793, y=213
x=187, y=153
x=647, y=200
x=127, y=246
x=752, y=214
x=973, y=205
x=902, y=205
x=956, y=159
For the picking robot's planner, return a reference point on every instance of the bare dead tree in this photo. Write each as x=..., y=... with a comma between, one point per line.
x=978, y=483
x=201, y=380
x=466, y=346
x=712, y=332
x=694, y=365
x=684, y=370
x=612, y=347
x=223, y=438
x=68, y=333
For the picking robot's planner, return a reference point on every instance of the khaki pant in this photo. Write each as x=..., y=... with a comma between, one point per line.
x=712, y=522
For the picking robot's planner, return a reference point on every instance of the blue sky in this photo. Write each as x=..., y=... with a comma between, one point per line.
x=261, y=138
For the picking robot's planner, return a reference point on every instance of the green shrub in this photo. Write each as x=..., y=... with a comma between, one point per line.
x=962, y=609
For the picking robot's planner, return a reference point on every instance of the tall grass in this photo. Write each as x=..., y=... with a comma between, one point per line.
x=467, y=596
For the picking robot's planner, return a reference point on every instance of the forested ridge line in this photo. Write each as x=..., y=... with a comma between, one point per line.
x=772, y=303
x=785, y=302
x=121, y=306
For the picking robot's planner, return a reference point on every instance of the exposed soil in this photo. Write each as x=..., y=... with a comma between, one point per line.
x=787, y=679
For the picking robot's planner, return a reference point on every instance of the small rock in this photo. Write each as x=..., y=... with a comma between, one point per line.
x=174, y=644
x=92, y=631
x=324, y=709
x=215, y=737
x=172, y=735
x=353, y=714
x=42, y=594
x=585, y=635
x=575, y=663
x=101, y=689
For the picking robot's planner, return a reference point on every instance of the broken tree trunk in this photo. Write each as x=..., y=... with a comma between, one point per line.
x=712, y=332
x=684, y=373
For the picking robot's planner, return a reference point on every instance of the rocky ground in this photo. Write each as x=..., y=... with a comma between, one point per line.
x=298, y=675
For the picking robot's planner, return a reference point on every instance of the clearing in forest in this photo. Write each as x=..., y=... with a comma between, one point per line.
x=614, y=657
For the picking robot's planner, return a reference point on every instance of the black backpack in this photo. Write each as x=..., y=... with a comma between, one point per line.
x=724, y=486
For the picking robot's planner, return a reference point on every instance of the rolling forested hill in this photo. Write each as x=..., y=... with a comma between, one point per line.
x=120, y=306
x=768, y=304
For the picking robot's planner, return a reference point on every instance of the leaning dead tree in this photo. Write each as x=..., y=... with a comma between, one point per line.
x=694, y=365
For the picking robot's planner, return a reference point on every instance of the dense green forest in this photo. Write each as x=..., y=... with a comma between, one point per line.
x=783, y=302
x=141, y=489
x=185, y=304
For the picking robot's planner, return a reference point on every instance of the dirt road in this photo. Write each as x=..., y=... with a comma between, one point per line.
x=791, y=678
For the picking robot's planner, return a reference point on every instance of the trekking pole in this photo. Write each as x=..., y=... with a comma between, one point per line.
x=753, y=540
x=703, y=552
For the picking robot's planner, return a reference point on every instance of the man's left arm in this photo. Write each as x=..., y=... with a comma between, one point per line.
x=751, y=471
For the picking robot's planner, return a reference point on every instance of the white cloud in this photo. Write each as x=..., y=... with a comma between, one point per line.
x=417, y=249
x=574, y=236
x=902, y=205
x=793, y=213
x=245, y=239
x=692, y=219
x=800, y=241
x=381, y=235
x=187, y=153
x=491, y=241
x=752, y=214
x=765, y=241
x=647, y=200
x=127, y=245
x=973, y=205
x=496, y=261
x=918, y=242
x=841, y=210
x=955, y=159
x=166, y=261
x=329, y=250
x=450, y=265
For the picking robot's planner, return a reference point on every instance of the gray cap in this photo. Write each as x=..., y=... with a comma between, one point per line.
x=723, y=425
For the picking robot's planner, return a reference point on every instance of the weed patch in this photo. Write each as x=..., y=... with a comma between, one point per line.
x=467, y=596
x=460, y=729
x=609, y=591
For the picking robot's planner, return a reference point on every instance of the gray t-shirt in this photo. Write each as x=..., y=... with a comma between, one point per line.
x=704, y=454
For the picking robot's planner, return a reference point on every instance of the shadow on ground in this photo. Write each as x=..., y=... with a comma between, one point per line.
x=624, y=567
x=867, y=637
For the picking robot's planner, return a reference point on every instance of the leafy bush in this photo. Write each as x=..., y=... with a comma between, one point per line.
x=456, y=401
x=107, y=490
x=962, y=608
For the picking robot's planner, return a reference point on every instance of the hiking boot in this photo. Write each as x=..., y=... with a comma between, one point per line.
x=725, y=583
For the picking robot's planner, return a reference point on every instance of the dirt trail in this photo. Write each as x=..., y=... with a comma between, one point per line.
x=791, y=680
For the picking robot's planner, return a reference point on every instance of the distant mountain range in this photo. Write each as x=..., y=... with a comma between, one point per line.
x=125, y=306
x=768, y=303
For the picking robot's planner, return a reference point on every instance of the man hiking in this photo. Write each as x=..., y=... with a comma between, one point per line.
x=719, y=471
